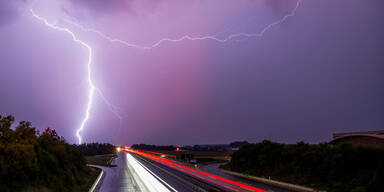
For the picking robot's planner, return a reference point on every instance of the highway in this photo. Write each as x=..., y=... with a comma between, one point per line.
x=178, y=180
x=214, y=169
x=119, y=178
x=139, y=171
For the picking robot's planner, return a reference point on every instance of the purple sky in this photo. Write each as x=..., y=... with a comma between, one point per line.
x=317, y=73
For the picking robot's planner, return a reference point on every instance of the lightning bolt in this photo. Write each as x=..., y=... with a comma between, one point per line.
x=232, y=37
x=114, y=109
x=92, y=88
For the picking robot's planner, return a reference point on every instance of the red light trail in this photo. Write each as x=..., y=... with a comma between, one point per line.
x=169, y=162
x=157, y=153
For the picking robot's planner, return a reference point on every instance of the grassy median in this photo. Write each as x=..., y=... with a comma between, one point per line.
x=88, y=179
x=103, y=160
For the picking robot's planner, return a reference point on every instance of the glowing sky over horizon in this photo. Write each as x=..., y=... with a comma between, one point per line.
x=318, y=73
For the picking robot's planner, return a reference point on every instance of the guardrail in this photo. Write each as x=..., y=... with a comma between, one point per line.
x=271, y=182
x=92, y=189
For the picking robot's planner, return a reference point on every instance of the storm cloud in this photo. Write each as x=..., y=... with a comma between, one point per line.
x=317, y=73
x=102, y=6
x=9, y=10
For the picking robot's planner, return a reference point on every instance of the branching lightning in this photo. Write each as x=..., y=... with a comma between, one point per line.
x=92, y=88
x=114, y=109
x=232, y=37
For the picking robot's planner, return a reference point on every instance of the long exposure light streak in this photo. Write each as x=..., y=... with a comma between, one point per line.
x=115, y=110
x=151, y=181
x=193, y=171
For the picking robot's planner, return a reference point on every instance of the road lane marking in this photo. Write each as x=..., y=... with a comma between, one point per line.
x=156, y=176
x=152, y=183
x=97, y=181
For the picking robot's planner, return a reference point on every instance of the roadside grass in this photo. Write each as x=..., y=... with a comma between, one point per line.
x=103, y=160
x=208, y=161
x=88, y=178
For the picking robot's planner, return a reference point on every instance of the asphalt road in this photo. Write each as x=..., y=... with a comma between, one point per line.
x=124, y=177
x=214, y=169
x=118, y=179
x=179, y=181
x=184, y=178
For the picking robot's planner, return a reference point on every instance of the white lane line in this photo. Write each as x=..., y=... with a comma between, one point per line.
x=156, y=175
x=96, y=182
x=149, y=180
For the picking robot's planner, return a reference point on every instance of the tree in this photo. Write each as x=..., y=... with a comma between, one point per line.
x=32, y=160
x=323, y=166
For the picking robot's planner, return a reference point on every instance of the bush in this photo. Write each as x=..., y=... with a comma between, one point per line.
x=91, y=149
x=33, y=161
x=333, y=168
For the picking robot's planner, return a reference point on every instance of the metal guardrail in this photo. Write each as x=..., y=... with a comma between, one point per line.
x=270, y=182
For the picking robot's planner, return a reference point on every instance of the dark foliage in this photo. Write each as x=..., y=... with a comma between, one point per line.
x=90, y=149
x=33, y=161
x=238, y=144
x=210, y=148
x=333, y=168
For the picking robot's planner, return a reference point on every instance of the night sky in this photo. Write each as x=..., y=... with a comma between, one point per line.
x=318, y=72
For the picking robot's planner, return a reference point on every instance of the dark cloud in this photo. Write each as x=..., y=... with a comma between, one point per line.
x=99, y=7
x=94, y=8
x=280, y=7
x=317, y=73
x=8, y=11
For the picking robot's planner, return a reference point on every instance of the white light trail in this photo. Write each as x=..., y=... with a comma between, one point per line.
x=115, y=110
x=147, y=178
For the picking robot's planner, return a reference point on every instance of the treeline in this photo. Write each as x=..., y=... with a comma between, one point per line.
x=33, y=161
x=211, y=147
x=207, y=148
x=326, y=167
x=238, y=144
x=216, y=147
x=90, y=149
x=154, y=147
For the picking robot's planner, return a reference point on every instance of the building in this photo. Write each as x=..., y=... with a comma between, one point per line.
x=369, y=138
